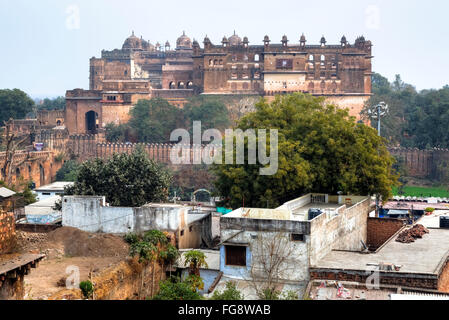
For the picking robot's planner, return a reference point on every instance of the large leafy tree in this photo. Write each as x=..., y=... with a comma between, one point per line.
x=321, y=149
x=212, y=113
x=14, y=104
x=399, y=96
x=127, y=180
x=427, y=120
x=52, y=104
x=154, y=120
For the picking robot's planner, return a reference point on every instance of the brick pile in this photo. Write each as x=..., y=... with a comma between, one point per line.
x=7, y=231
x=410, y=235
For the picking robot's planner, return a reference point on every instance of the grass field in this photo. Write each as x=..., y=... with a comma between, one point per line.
x=413, y=191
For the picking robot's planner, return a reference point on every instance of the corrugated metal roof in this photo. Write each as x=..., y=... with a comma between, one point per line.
x=6, y=193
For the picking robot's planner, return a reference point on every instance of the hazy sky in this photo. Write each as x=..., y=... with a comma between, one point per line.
x=46, y=45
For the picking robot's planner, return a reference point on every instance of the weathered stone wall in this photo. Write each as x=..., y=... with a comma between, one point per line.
x=380, y=230
x=39, y=167
x=7, y=232
x=423, y=163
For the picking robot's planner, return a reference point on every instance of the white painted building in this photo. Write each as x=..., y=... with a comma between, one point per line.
x=51, y=190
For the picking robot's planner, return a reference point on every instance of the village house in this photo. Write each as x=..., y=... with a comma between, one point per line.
x=190, y=226
x=297, y=234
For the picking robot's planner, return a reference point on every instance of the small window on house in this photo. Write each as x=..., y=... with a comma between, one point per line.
x=256, y=57
x=182, y=233
x=297, y=237
x=46, y=193
x=235, y=256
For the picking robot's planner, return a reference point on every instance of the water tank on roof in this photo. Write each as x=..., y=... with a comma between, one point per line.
x=444, y=222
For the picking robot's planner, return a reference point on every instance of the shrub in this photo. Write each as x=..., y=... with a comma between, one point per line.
x=131, y=238
x=230, y=293
x=175, y=289
x=430, y=209
x=87, y=288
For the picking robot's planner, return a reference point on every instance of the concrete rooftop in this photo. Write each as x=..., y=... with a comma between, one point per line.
x=422, y=256
x=433, y=221
x=54, y=187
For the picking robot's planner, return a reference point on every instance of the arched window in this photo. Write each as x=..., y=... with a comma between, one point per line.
x=17, y=173
x=189, y=85
x=181, y=85
x=172, y=85
x=311, y=87
x=323, y=58
x=256, y=57
x=211, y=62
x=311, y=57
x=215, y=62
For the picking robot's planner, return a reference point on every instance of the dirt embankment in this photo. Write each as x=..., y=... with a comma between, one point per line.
x=68, y=249
x=72, y=242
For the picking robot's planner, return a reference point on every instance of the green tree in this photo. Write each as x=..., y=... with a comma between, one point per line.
x=321, y=149
x=230, y=293
x=210, y=111
x=14, y=104
x=399, y=96
x=153, y=120
x=126, y=180
x=175, y=289
x=68, y=171
x=427, y=120
x=196, y=260
x=52, y=104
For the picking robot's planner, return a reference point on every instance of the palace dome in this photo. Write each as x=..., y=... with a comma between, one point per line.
x=234, y=40
x=183, y=42
x=132, y=42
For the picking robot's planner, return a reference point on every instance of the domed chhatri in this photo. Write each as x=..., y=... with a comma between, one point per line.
x=235, y=40
x=184, y=42
x=132, y=42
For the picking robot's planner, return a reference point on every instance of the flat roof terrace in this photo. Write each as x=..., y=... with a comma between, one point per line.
x=424, y=256
x=301, y=213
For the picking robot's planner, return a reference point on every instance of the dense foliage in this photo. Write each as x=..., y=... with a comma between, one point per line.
x=321, y=149
x=14, y=104
x=152, y=121
x=68, y=171
x=415, y=119
x=230, y=293
x=177, y=289
x=127, y=180
x=52, y=104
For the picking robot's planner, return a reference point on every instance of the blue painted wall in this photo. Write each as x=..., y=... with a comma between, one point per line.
x=234, y=271
x=207, y=275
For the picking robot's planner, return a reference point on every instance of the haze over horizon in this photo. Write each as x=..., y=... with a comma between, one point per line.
x=47, y=44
